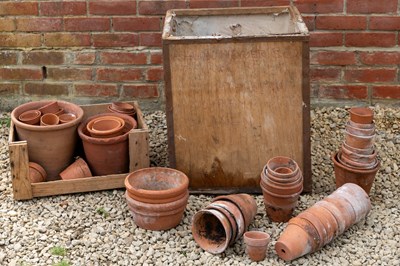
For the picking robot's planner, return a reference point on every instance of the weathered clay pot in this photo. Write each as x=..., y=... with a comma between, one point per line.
x=314, y=219
x=78, y=169
x=336, y=212
x=328, y=220
x=361, y=126
x=343, y=159
x=282, y=190
x=309, y=228
x=359, y=142
x=344, y=174
x=367, y=151
x=51, y=107
x=231, y=218
x=282, y=182
x=157, y=184
x=49, y=120
x=348, y=215
x=122, y=107
x=31, y=117
x=52, y=147
x=361, y=115
x=279, y=207
x=130, y=113
x=107, y=156
x=256, y=244
x=36, y=173
x=65, y=118
x=359, y=158
x=106, y=126
x=282, y=169
x=360, y=131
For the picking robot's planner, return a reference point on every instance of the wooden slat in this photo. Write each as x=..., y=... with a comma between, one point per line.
x=139, y=150
x=61, y=187
x=229, y=11
x=20, y=170
x=140, y=117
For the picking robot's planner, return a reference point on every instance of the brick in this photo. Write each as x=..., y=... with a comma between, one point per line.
x=96, y=90
x=384, y=23
x=318, y=6
x=7, y=24
x=370, y=75
x=341, y=22
x=9, y=88
x=84, y=58
x=112, y=7
x=249, y=3
x=66, y=39
x=123, y=58
x=310, y=22
x=69, y=73
x=42, y=58
x=343, y=92
x=386, y=92
x=19, y=40
x=39, y=24
x=380, y=58
x=87, y=24
x=324, y=74
x=150, y=39
x=159, y=7
x=62, y=8
x=156, y=58
x=137, y=24
x=10, y=8
x=125, y=74
x=33, y=73
x=141, y=91
x=213, y=4
x=44, y=88
x=371, y=6
x=333, y=58
x=325, y=39
x=115, y=40
x=8, y=58
x=364, y=39
x=155, y=74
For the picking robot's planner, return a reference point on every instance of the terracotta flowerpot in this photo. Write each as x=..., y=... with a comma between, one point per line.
x=282, y=169
x=345, y=207
x=367, y=151
x=51, y=107
x=49, y=120
x=106, y=126
x=78, y=169
x=268, y=178
x=344, y=174
x=282, y=190
x=345, y=160
x=36, y=173
x=279, y=208
x=31, y=117
x=328, y=220
x=246, y=204
x=359, y=142
x=360, y=131
x=157, y=184
x=107, y=156
x=361, y=115
x=231, y=219
x=113, y=110
x=359, y=158
x=361, y=126
x=317, y=223
x=65, y=118
x=256, y=244
x=52, y=147
x=336, y=212
x=157, y=207
x=123, y=107
x=313, y=236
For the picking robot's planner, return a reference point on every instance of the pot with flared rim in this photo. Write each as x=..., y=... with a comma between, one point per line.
x=266, y=177
x=157, y=207
x=132, y=113
x=49, y=120
x=51, y=107
x=122, y=106
x=281, y=179
x=65, y=118
x=282, y=164
x=156, y=201
x=231, y=219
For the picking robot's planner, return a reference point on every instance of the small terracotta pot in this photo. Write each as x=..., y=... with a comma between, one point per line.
x=49, y=120
x=344, y=174
x=231, y=219
x=106, y=126
x=122, y=107
x=256, y=244
x=359, y=142
x=31, y=117
x=51, y=107
x=65, y=118
x=211, y=230
x=360, y=131
x=279, y=208
x=246, y=204
x=36, y=173
x=78, y=169
x=282, y=169
x=360, y=158
x=157, y=184
x=361, y=115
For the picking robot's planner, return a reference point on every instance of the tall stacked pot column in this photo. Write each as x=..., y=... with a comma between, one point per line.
x=325, y=220
x=356, y=161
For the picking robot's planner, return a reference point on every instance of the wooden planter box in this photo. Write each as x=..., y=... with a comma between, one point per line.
x=24, y=190
x=237, y=91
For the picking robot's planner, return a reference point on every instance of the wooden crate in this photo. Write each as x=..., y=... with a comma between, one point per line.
x=24, y=190
x=236, y=96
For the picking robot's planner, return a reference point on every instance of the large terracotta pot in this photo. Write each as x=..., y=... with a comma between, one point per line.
x=107, y=156
x=52, y=147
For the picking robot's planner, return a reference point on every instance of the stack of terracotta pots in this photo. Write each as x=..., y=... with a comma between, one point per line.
x=356, y=162
x=325, y=220
x=281, y=184
x=157, y=197
x=122, y=108
x=223, y=222
x=106, y=144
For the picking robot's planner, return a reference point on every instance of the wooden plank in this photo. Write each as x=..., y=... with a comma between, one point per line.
x=139, y=150
x=140, y=117
x=229, y=11
x=61, y=187
x=20, y=170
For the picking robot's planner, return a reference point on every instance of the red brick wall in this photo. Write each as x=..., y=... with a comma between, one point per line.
x=101, y=50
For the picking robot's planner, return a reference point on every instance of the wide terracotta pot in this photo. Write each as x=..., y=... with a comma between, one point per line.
x=256, y=244
x=107, y=156
x=51, y=147
x=31, y=117
x=344, y=174
x=157, y=184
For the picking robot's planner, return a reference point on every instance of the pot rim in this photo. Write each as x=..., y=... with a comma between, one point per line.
x=289, y=164
x=256, y=238
x=354, y=170
x=360, y=136
x=160, y=207
x=361, y=114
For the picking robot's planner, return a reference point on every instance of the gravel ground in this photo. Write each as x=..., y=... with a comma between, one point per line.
x=96, y=228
